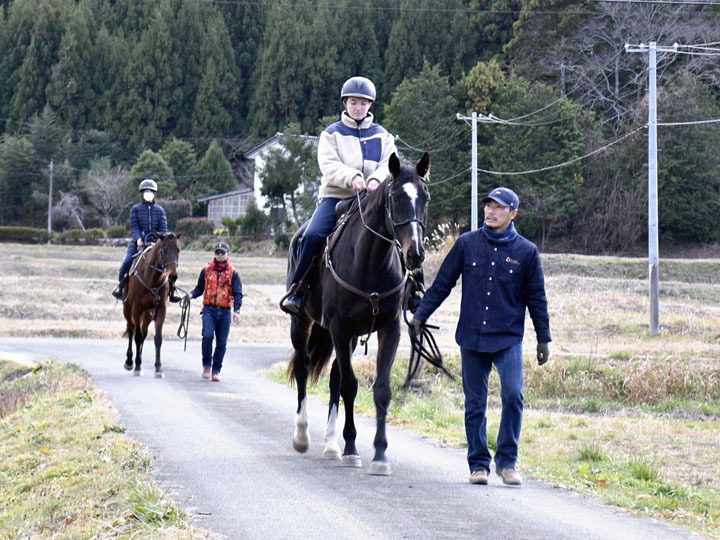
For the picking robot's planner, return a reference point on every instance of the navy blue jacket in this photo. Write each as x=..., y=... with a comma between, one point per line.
x=146, y=218
x=501, y=276
x=236, y=289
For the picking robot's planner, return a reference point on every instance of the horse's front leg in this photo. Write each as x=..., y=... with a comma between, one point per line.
x=159, y=320
x=388, y=340
x=129, y=354
x=348, y=391
x=332, y=448
x=299, y=335
x=139, y=339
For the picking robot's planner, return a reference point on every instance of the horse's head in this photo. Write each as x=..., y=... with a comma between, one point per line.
x=406, y=207
x=168, y=256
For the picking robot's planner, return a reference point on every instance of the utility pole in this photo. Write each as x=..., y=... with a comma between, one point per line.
x=473, y=172
x=50, y=199
x=653, y=250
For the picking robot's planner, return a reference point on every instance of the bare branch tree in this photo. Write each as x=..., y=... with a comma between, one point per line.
x=109, y=192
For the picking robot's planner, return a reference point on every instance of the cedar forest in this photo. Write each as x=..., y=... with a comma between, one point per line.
x=178, y=90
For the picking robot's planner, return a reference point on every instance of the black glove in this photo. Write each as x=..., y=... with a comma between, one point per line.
x=543, y=353
x=417, y=325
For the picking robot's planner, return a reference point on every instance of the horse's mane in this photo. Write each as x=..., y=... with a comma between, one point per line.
x=375, y=200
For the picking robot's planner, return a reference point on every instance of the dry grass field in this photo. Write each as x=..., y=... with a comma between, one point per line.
x=630, y=419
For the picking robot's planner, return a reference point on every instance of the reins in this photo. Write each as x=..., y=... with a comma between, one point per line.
x=373, y=297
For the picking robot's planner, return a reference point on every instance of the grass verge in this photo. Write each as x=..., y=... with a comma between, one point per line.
x=66, y=468
x=638, y=434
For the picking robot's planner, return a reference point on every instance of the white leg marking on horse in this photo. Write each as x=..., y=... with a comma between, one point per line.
x=332, y=448
x=380, y=468
x=412, y=192
x=301, y=437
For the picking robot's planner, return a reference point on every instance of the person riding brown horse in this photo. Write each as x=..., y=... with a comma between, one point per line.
x=149, y=283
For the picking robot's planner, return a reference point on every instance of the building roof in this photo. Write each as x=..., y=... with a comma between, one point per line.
x=226, y=194
x=253, y=152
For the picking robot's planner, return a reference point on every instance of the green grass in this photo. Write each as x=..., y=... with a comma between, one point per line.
x=66, y=468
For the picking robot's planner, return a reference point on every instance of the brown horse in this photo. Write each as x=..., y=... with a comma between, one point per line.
x=146, y=297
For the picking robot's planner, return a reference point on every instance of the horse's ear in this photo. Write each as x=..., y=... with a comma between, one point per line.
x=178, y=235
x=394, y=164
x=423, y=166
x=160, y=235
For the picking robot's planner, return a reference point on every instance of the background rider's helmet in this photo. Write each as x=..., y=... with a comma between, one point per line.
x=148, y=183
x=358, y=87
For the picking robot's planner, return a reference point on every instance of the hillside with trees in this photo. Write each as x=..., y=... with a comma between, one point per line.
x=109, y=92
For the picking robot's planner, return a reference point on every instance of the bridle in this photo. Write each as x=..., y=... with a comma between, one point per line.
x=375, y=297
x=162, y=269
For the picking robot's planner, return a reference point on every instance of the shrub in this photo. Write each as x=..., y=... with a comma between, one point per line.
x=255, y=223
x=231, y=224
x=282, y=240
x=117, y=231
x=195, y=227
x=175, y=210
x=79, y=236
x=23, y=234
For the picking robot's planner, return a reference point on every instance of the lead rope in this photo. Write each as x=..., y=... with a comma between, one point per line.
x=422, y=346
x=182, y=331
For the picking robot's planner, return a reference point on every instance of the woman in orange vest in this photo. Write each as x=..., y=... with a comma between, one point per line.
x=221, y=288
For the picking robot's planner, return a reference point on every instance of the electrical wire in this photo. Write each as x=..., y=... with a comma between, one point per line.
x=575, y=160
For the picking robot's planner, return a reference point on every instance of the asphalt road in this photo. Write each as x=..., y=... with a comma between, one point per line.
x=224, y=450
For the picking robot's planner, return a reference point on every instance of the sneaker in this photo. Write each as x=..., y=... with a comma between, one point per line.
x=216, y=376
x=509, y=476
x=206, y=373
x=479, y=477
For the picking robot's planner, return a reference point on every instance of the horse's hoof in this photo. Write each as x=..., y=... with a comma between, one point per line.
x=159, y=375
x=380, y=468
x=137, y=373
x=332, y=451
x=128, y=365
x=301, y=439
x=352, y=460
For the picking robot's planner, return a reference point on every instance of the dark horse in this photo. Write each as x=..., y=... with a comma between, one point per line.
x=358, y=290
x=146, y=297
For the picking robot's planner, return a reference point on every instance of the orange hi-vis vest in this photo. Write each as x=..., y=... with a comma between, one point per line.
x=218, y=287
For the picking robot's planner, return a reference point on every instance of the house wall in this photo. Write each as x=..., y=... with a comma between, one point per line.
x=232, y=206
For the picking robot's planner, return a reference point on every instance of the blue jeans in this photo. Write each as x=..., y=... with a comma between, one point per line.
x=321, y=223
x=476, y=368
x=125, y=266
x=215, y=322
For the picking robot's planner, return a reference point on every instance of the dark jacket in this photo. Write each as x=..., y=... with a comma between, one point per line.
x=236, y=287
x=502, y=275
x=146, y=218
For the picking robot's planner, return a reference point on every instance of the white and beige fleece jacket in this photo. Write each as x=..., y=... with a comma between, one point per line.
x=347, y=149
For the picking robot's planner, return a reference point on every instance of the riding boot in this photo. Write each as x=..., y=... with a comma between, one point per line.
x=118, y=290
x=292, y=303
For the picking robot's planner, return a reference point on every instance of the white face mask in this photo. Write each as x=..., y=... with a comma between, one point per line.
x=148, y=195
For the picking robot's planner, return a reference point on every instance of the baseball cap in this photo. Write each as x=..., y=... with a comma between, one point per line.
x=222, y=246
x=504, y=196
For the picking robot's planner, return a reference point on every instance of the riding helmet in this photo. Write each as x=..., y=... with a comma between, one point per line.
x=148, y=183
x=358, y=87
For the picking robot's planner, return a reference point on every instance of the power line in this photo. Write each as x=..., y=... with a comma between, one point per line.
x=557, y=166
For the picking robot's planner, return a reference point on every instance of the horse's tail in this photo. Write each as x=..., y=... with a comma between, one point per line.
x=319, y=350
